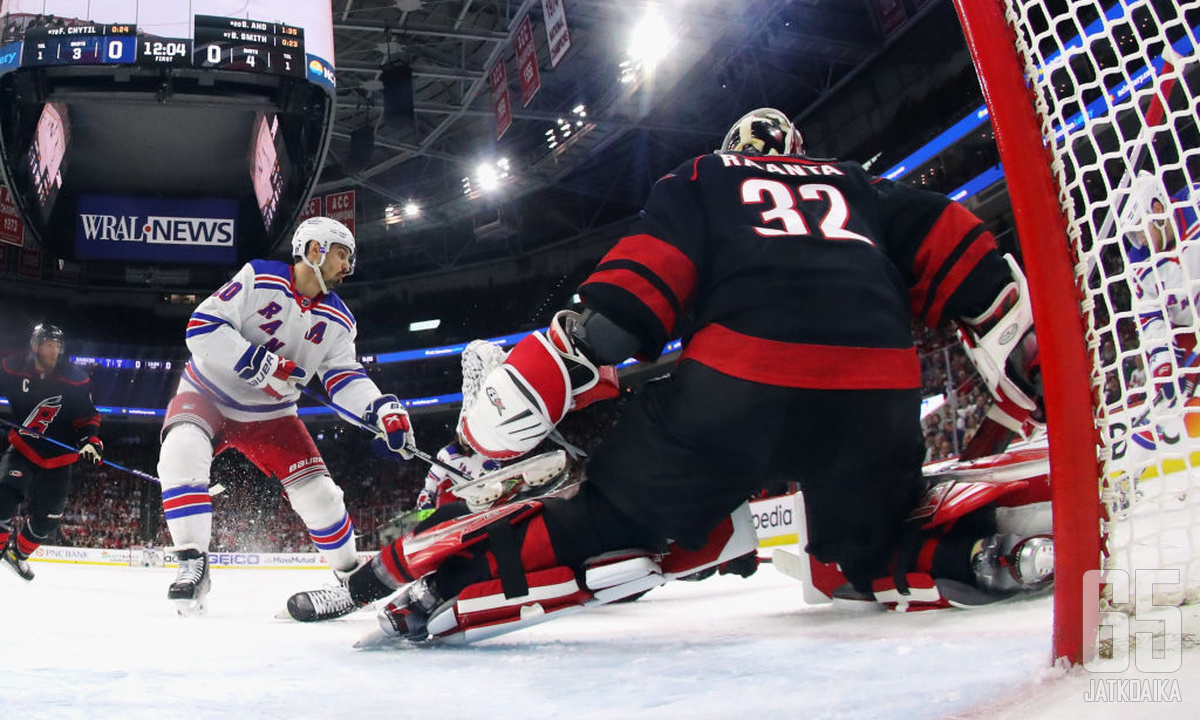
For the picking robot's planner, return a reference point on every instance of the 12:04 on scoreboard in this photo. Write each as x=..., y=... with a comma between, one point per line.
x=220, y=43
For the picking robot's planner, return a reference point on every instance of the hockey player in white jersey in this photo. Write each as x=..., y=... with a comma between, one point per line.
x=1160, y=232
x=254, y=343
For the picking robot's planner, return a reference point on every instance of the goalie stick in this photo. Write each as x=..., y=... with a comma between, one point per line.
x=215, y=489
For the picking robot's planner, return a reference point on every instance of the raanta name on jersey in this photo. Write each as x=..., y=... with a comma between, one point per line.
x=788, y=168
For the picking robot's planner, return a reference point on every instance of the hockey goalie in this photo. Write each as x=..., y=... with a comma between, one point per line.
x=794, y=282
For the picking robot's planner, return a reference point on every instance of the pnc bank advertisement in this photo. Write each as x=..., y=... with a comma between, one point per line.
x=111, y=227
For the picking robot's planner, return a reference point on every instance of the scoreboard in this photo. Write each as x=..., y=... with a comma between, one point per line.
x=220, y=43
x=92, y=44
x=248, y=45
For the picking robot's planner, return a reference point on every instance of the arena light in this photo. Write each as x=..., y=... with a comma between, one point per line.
x=412, y=210
x=488, y=177
x=651, y=40
x=420, y=325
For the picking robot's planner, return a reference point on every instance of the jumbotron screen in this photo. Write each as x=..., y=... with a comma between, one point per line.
x=135, y=128
x=268, y=36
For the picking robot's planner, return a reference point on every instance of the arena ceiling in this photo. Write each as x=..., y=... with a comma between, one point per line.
x=728, y=56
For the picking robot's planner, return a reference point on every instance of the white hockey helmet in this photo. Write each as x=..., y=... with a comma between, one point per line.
x=1139, y=212
x=765, y=131
x=324, y=232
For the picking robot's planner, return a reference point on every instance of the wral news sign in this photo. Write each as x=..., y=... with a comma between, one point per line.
x=110, y=227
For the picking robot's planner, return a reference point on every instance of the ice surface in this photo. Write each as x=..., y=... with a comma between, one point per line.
x=103, y=642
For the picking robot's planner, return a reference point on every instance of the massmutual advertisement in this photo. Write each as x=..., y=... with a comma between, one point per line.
x=110, y=227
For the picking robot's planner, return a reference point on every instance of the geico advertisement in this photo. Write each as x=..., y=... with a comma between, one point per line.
x=112, y=227
x=265, y=560
x=775, y=518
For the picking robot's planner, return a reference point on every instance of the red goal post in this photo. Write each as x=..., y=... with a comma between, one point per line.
x=1043, y=67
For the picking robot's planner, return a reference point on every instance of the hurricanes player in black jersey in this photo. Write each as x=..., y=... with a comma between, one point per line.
x=53, y=399
x=794, y=282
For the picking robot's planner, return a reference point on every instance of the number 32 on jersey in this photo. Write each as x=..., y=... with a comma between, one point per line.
x=782, y=200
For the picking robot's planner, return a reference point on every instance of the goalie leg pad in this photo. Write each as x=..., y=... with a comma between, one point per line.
x=732, y=538
x=418, y=554
x=483, y=610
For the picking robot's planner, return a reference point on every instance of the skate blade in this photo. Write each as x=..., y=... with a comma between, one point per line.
x=190, y=608
x=283, y=614
x=378, y=639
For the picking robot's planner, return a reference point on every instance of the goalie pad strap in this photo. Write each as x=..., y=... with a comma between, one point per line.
x=502, y=543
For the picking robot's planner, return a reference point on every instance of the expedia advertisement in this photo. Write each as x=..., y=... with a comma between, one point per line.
x=111, y=227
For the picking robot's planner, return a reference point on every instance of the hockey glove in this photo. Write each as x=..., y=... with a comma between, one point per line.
x=427, y=500
x=265, y=370
x=91, y=449
x=394, y=438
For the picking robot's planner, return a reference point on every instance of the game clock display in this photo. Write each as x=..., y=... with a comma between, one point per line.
x=221, y=43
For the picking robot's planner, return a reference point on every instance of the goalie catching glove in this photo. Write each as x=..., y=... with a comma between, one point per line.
x=545, y=376
x=274, y=375
x=394, y=437
x=1002, y=345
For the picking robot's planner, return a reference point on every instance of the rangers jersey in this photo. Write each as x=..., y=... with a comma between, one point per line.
x=1167, y=289
x=57, y=404
x=260, y=306
x=795, y=272
x=439, y=484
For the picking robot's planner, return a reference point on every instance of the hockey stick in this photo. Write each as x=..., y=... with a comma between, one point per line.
x=1155, y=113
x=467, y=482
x=357, y=422
x=216, y=489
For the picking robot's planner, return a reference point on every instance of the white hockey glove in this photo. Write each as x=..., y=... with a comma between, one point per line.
x=265, y=370
x=394, y=438
x=1002, y=344
x=91, y=449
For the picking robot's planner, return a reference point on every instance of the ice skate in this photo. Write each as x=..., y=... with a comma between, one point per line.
x=328, y=603
x=1007, y=564
x=404, y=619
x=15, y=562
x=192, y=583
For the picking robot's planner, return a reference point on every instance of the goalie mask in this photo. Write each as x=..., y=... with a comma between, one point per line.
x=765, y=131
x=1144, y=216
x=325, y=232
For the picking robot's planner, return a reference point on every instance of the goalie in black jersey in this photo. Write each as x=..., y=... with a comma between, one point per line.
x=794, y=282
x=53, y=400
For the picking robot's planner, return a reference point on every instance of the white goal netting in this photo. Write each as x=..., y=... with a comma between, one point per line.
x=146, y=556
x=1116, y=83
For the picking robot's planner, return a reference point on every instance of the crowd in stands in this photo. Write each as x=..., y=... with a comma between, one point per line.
x=109, y=508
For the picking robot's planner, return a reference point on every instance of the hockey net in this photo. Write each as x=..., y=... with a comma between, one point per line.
x=1094, y=103
x=146, y=556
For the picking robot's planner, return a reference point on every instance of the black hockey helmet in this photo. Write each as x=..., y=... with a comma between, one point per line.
x=45, y=331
